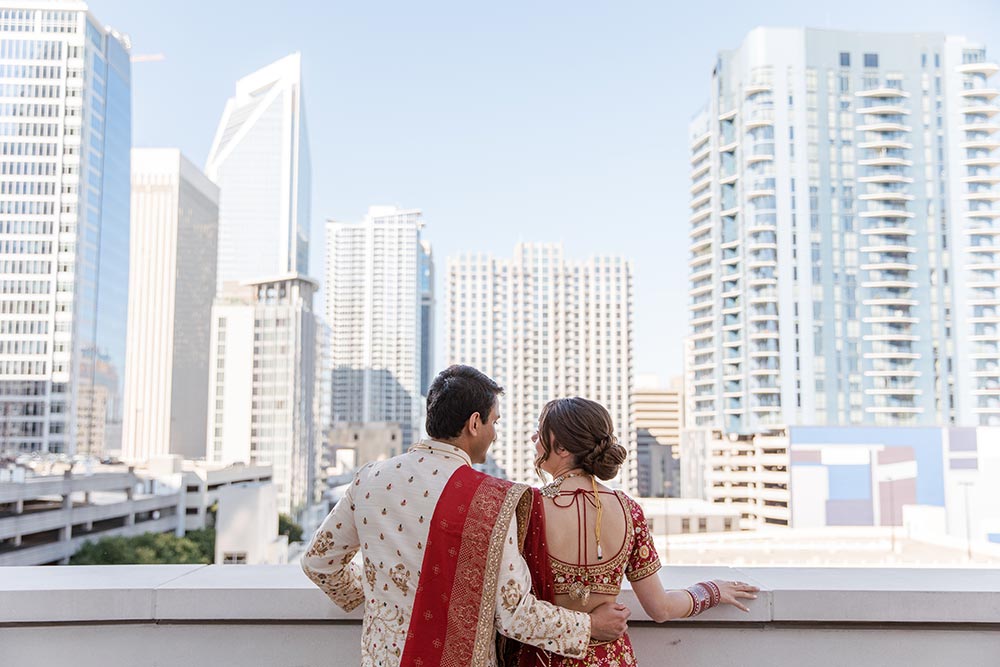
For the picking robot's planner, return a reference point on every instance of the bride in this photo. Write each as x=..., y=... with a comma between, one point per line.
x=584, y=538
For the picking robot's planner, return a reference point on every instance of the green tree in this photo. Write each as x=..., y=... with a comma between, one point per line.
x=147, y=549
x=205, y=539
x=287, y=526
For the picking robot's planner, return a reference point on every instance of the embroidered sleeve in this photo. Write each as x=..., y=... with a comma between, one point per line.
x=521, y=616
x=327, y=560
x=643, y=560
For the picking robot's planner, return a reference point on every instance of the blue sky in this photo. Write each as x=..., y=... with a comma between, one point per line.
x=505, y=122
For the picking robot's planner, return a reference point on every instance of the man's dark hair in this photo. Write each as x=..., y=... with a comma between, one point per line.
x=456, y=393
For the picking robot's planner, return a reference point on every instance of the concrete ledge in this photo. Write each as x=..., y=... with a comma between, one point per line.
x=236, y=615
x=282, y=593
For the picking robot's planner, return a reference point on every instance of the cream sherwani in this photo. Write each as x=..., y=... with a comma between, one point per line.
x=386, y=513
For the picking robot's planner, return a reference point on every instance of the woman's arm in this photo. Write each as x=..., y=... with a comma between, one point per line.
x=662, y=605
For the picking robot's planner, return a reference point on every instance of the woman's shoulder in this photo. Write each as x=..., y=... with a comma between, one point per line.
x=629, y=502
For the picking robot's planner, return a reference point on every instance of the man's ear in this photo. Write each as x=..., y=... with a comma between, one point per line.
x=474, y=423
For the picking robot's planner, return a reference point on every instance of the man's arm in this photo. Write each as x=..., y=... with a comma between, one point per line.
x=521, y=616
x=327, y=561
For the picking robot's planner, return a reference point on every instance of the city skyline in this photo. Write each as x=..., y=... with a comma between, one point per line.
x=479, y=158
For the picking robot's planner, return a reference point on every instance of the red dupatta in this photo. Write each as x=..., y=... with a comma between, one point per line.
x=536, y=554
x=452, y=623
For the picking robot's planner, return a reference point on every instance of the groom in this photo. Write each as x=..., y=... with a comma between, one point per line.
x=439, y=540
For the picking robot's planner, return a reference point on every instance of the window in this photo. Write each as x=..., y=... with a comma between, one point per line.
x=845, y=59
x=685, y=525
x=702, y=525
x=871, y=60
x=234, y=558
x=728, y=523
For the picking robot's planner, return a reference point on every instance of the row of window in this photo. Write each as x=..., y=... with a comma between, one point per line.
x=24, y=327
x=21, y=168
x=29, y=89
x=30, y=49
x=28, y=110
x=27, y=207
x=23, y=247
x=27, y=188
x=25, y=286
x=25, y=226
x=30, y=149
x=24, y=347
x=24, y=307
x=22, y=368
x=29, y=129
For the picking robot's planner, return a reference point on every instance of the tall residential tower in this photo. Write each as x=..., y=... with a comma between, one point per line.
x=845, y=262
x=545, y=327
x=379, y=306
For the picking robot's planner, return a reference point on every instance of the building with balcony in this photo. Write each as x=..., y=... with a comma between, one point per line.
x=380, y=309
x=939, y=482
x=843, y=234
x=545, y=326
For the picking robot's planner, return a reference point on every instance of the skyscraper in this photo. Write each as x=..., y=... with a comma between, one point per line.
x=379, y=290
x=262, y=382
x=843, y=234
x=65, y=136
x=545, y=327
x=175, y=223
x=260, y=161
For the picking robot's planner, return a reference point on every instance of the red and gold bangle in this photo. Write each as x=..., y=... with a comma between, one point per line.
x=704, y=595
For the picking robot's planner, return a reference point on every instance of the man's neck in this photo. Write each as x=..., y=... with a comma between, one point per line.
x=458, y=443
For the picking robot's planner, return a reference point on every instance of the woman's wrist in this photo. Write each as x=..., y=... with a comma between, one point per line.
x=704, y=595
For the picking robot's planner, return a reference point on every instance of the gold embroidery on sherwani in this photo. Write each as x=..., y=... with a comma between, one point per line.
x=401, y=577
x=370, y=573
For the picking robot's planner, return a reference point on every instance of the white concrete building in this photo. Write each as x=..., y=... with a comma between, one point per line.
x=747, y=473
x=843, y=234
x=45, y=517
x=246, y=527
x=174, y=230
x=681, y=516
x=65, y=136
x=260, y=161
x=545, y=327
x=379, y=305
x=262, y=383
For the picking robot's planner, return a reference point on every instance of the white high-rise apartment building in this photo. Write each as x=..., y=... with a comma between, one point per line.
x=263, y=361
x=175, y=224
x=65, y=136
x=545, y=327
x=845, y=250
x=260, y=161
x=379, y=303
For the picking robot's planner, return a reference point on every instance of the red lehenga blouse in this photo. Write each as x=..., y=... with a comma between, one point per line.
x=636, y=560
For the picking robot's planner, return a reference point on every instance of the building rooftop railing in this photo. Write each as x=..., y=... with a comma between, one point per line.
x=272, y=615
